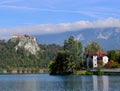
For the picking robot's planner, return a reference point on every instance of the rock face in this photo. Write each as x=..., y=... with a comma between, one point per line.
x=28, y=43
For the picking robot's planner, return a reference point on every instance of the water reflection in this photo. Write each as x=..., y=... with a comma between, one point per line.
x=95, y=83
x=45, y=82
x=105, y=83
x=100, y=83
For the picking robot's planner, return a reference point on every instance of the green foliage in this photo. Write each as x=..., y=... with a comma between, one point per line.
x=100, y=63
x=10, y=58
x=88, y=72
x=75, y=49
x=69, y=59
x=112, y=64
x=62, y=65
x=99, y=72
x=47, y=53
x=81, y=72
x=92, y=47
x=114, y=55
x=90, y=64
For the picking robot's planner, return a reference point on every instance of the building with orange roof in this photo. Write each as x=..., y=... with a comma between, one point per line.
x=17, y=35
x=95, y=57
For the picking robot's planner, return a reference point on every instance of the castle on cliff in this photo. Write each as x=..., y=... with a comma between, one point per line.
x=27, y=42
x=23, y=36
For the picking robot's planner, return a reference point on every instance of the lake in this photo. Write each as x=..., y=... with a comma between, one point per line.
x=46, y=82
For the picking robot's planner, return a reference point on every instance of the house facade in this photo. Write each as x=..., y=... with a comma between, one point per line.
x=95, y=58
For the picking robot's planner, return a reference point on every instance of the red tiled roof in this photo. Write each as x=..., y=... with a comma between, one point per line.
x=98, y=53
x=18, y=35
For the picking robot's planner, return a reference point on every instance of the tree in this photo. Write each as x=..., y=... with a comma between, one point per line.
x=114, y=55
x=92, y=47
x=62, y=64
x=75, y=49
x=69, y=59
x=23, y=58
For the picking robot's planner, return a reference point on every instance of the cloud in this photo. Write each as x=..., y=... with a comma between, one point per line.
x=89, y=9
x=97, y=12
x=46, y=9
x=60, y=28
x=7, y=1
x=17, y=7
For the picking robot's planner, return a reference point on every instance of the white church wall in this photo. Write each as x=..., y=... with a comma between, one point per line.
x=94, y=61
x=105, y=60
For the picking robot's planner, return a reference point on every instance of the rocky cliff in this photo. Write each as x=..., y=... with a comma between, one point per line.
x=28, y=43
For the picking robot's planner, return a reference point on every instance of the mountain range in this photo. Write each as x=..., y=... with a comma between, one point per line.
x=108, y=38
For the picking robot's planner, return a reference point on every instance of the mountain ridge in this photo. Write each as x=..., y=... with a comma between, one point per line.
x=108, y=38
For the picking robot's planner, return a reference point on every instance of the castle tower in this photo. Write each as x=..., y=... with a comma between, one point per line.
x=34, y=39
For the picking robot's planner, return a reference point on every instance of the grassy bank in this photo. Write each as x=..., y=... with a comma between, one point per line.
x=99, y=71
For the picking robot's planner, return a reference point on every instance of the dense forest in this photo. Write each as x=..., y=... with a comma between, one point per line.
x=73, y=57
x=59, y=59
x=10, y=58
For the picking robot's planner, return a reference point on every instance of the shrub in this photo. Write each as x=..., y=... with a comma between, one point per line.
x=88, y=72
x=99, y=72
x=100, y=63
x=112, y=64
x=108, y=65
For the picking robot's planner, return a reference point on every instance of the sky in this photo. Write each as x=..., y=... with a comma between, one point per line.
x=36, y=17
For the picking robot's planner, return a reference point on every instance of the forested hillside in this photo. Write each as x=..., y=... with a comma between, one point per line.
x=69, y=57
x=11, y=58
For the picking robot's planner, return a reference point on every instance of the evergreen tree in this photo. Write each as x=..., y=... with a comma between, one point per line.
x=69, y=59
x=75, y=49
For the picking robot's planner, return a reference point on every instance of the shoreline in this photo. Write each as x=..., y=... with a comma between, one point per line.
x=24, y=71
x=114, y=71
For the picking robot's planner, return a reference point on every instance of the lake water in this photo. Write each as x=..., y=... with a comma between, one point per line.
x=45, y=82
